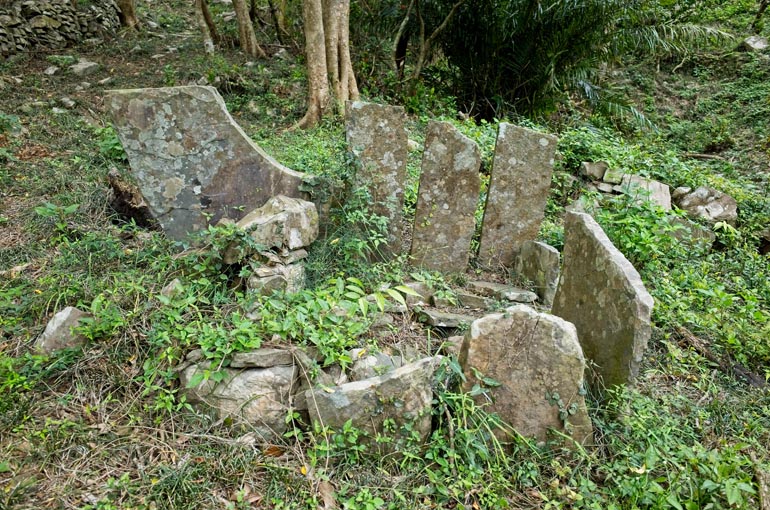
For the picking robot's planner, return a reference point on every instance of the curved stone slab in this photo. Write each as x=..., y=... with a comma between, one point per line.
x=445, y=220
x=602, y=294
x=518, y=190
x=193, y=163
x=531, y=355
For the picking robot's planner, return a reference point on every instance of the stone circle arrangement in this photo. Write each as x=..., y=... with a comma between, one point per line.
x=193, y=165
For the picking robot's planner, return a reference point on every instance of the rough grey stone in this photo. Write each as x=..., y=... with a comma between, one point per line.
x=602, y=294
x=605, y=187
x=366, y=365
x=593, y=170
x=423, y=293
x=532, y=356
x=51, y=70
x=402, y=396
x=646, y=189
x=191, y=160
x=708, y=204
x=502, y=291
x=257, y=397
x=84, y=68
x=471, y=300
x=446, y=200
x=755, y=43
x=377, y=139
x=518, y=190
x=539, y=263
x=613, y=176
x=58, y=332
x=262, y=358
x=283, y=222
x=440, y=319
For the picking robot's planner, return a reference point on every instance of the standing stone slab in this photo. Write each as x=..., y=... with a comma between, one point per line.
x=377, y=139
x=602, y=294
x=518, y=189
x=539, y=263
x=446, y=201
x=533, y=356
x=192, y=162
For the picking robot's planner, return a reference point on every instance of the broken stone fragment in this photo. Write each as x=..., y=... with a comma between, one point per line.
x=84, y=68
x=366, y=364
x=470, y=300
x=593, y=170
x=642, y=188
x=439, y=319
x=538, y=366
x=707, y=204
x=283, y=222
x=59, y=332
x=256, y=397
x=401, y=398
x=262, y=358
x=502, y=291
x=539, y=263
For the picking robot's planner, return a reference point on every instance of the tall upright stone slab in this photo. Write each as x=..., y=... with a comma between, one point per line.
x=602, y=294
x=518, y=189
x=539, y=263
x=537, y=361
x=446, y=201
x=377, y=139
x=193, y=163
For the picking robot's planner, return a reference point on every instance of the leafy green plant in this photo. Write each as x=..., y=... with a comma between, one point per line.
x=109, y=144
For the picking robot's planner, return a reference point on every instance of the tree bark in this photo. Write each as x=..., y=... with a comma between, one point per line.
x=200, y=17
x=127, y=14
x=246, y=34
x=756, y=26
x=427, y=43
x=327, y=48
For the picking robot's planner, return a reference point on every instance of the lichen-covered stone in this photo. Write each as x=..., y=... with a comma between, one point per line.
x=539, y=263
x=518, y=190
x=444, y=221
x=257, y=397
x=402, y=397
x=536, y=359
x=602, y=294
x=192, y=162
x=377, y=139
x=643, y=189
x=283, y=222
x=59, y=332
x=708, y=204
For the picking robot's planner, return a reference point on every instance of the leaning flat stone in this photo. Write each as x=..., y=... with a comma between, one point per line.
x=518, y=190
x=262, y=358
x=532, y=356
x=257, y=397
x=59, y=332
x=439, y=319
x=647, y=189
x=377, y=139
x=403, y=397
x=445, y=221
x=602, y=294
x=502, y=291
x=191, y=161
x=539, y=263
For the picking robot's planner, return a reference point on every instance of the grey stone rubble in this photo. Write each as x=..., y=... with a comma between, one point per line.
x=442, y=319
x=593, y=170
x=646, y=189
x=502, y=292
x=518, y=190
x=707, y=204
x=444, y=221
x=602, y=294
x=59, y=332
x=755, y=43
x=192, y=162
x=401, y=397
x=259, y=397
x=48, y=24
x=540, y=263
x=377, y=139
x=84, y=68
x=537, y=361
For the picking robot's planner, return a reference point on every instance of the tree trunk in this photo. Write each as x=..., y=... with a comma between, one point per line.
x=127, y=14
x=756, y=26
x=246, y=34
x=209, y=21
x=327, y=47
x=315, y=52
x=200, y=17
